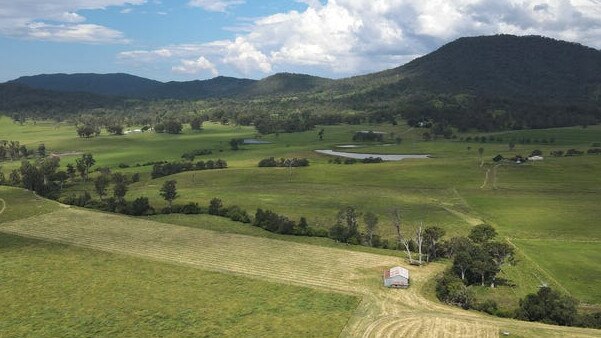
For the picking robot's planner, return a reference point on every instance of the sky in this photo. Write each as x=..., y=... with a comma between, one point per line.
x=179, y=40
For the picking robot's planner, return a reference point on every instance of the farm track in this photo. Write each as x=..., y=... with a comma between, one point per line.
x=382, y=312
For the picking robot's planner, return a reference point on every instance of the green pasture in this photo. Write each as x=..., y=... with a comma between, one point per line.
x=556, y=199
x=23, y=204
x=53, y=290
x=573, y=264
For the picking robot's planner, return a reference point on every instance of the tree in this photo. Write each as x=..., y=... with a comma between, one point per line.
x=401, y=239
x=482, y=265
x=119, y=178
x=120, y=190
x=482, y=233
x=303, y=226
x=234, y=143
x=87, y=131
x=31, y=177
x=84, y=164
x=350, y=218
x=451, y=290
x=215, y=206
x=141, y=206
x=115, y=129
x=14, y=179
x=371, y=226
x=419, y=240
x=196, y=123
x=432, y=235
x=71, y=171
x=100, y=185
x=462, y=262
x=480, y=153
x=169, y=192
x=42, y=150
x=48, y=167
x=548, y=306
x=499, y=253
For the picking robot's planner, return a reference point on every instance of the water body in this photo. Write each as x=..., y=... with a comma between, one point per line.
x=358, y=156
x=255, y=141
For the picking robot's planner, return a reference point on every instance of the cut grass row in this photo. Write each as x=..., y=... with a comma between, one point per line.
x=55, y=290
x=382, y=312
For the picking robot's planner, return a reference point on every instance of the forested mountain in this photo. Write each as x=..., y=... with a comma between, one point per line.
x=101, y=84
x=287, y=84
x=218, y=87
x=486, y=83
x=40, y=103
x=490, y=82
x=125, y=85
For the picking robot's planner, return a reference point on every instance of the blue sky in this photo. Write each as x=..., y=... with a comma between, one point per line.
x=200, y=39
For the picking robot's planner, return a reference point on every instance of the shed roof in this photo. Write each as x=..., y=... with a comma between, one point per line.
x=397, y=271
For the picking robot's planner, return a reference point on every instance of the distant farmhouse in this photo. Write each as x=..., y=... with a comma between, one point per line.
x=396, y=277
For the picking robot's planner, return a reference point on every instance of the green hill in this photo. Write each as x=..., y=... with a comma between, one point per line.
x=489, y=82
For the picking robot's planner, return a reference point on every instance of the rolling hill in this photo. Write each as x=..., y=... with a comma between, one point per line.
x=125, y=85
x=486, y=83
x=499, y=66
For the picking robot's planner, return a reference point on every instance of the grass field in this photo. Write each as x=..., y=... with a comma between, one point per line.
x=55, y=290
x=547, y=209
x=382, y=312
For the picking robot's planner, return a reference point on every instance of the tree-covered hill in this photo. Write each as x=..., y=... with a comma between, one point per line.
x=487, y=83
x=124, y=85
x=40, y=103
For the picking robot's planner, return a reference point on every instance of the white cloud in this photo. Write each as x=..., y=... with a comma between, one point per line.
x=345, y=37
x=195, y=66
x=215, y=5
x=58, y=20
x=74, y=33
x=245, y=57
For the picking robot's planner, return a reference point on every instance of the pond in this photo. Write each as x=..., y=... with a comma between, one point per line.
x=254, y=141
x=359, y=156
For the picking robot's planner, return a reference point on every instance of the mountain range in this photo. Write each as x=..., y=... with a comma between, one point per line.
x=499, y=69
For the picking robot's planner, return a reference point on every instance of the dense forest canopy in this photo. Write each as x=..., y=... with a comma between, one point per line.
x=486, y=83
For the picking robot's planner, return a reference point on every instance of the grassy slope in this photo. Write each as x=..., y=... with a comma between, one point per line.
x=382, y=312
x=58, y=290
x=554, y=199
x=23, y=204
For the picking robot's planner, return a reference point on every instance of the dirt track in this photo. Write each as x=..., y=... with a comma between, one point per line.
x=382, y=312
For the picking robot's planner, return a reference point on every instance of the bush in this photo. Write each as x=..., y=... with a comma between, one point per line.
x=548, y=306
x=489, y=306
x=268, y=162
x=141, y=206
x=284, y=162
x=191, y=209
x=450, y=289
x=372, y=160
x=216, y=207
x=236, y=214
x=162, y=169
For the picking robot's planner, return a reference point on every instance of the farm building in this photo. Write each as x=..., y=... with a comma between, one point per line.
x=396, y=277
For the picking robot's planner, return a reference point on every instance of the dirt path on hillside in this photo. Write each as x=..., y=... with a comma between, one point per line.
x=382, y=312
x=3, y=206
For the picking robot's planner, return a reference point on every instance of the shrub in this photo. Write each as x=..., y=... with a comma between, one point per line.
x=216, y=207
x=237, y=214
x=141, y=206
x=450, y=289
